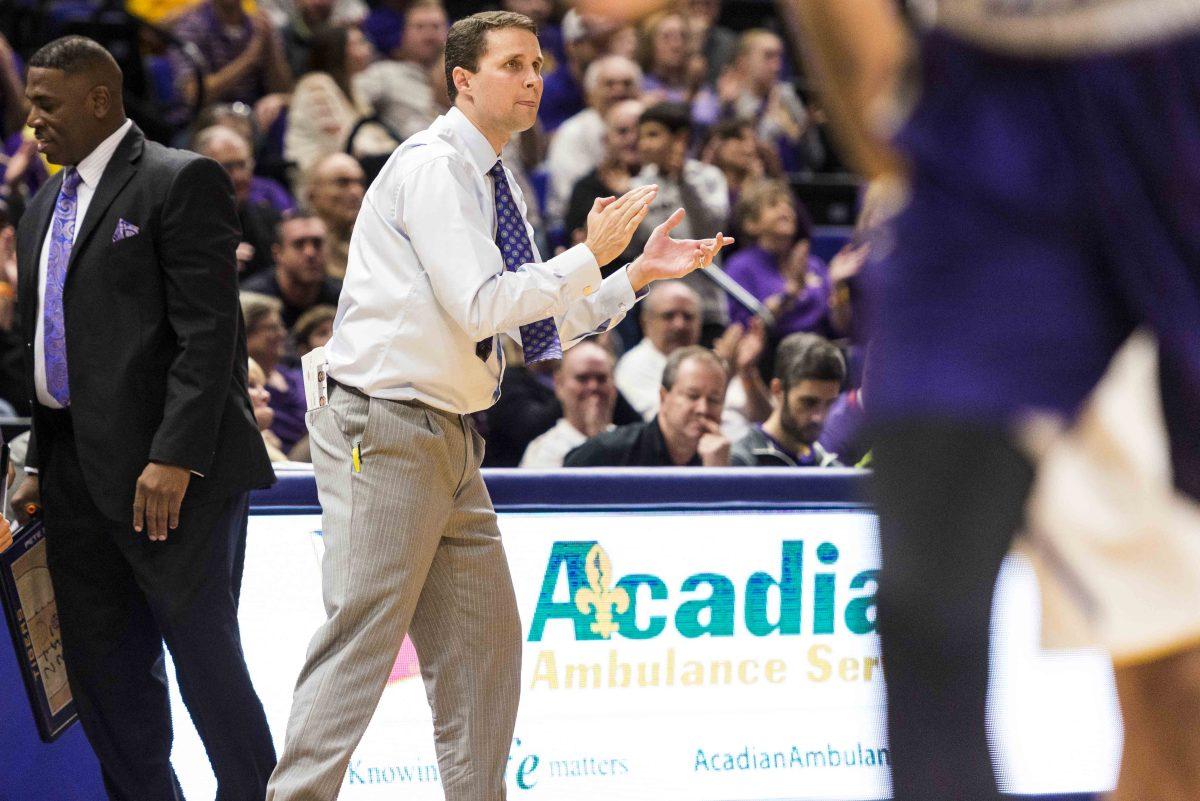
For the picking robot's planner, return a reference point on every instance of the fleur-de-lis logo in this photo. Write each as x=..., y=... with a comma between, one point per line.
x=598, y=595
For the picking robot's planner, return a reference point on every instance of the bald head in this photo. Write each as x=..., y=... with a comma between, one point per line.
x=335, y=191
x=74, y=90
x=584, y=385
x=215, y=137
x=611, y=79
x=671, y=316
x=230, y=149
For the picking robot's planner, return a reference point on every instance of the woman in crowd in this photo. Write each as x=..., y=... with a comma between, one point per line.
x=776, y=264
x=674, y=69
x=313, y=328
x=264, y=415
x=265, y=340
x=325, y=106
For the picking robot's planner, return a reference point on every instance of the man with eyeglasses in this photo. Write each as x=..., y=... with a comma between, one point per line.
x=335, y=193
x=578, y=144
x=615, y=171
x=258, y=218
x=670, y=318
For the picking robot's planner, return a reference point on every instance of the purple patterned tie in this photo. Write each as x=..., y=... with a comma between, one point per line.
x=539, y=340
x=62, y=237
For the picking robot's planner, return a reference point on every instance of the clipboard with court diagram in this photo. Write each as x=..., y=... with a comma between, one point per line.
x=32, y=618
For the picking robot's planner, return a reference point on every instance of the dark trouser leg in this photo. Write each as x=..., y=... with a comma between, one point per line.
x=111, y=643
x=950, y=498
x=1180, y=386
x=189, y=581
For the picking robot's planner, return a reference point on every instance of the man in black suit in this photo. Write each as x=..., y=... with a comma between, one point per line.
x=143, y=437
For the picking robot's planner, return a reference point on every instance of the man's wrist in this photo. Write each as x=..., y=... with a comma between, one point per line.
x=637, y=275
x=592, y=249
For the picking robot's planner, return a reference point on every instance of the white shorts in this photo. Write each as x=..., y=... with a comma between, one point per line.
x=1115, y=546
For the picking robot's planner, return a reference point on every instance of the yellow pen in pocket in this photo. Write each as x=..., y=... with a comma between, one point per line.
x=356, y=455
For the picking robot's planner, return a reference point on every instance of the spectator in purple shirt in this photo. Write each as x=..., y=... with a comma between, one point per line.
x=21, y=171
x=266, y=337
x=776, y=266
x=228, y=148
x=241, y=54
x=675, y=68
x=241, y=118
x=845, y=430
x=385, y=24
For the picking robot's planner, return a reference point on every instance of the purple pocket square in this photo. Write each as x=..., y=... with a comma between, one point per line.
x=124, y=230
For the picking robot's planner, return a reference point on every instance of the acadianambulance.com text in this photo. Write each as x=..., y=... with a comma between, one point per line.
x=856, y=755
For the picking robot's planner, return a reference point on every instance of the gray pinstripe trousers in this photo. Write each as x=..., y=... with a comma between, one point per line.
x=411, y=545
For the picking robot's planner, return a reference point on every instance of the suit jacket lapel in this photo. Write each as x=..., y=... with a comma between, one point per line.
x=120, y=169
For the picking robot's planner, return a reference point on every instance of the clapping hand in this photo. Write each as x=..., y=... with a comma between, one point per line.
x=612, y=222
x=741, y=347
x=848, y=262
x=664, y=257
x=19, y=162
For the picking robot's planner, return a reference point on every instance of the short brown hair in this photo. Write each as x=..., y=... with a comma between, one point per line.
x=805, y=356
x=681, y=355
x=467, y=40
x=766, y=192
x=310, y=321
x=291, y=215
x=256, y=307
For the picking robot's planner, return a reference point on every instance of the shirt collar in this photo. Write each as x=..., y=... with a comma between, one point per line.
x=91, y=169
x=802, y=459
x=478, y=147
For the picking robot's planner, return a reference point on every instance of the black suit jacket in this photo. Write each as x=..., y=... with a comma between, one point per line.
x=634, y=445
x=156, y=345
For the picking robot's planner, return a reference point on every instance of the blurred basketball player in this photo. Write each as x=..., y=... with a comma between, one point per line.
x=1054, y=179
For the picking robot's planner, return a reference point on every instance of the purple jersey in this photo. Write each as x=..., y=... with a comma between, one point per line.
x=1055, y=206
x=757, y=270
x=1066, y=27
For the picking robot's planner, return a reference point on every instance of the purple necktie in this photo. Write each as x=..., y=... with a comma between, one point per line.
x=539, y=340
x=62, y=237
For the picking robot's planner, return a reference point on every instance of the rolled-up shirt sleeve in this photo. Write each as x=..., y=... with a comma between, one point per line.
x=454, y=243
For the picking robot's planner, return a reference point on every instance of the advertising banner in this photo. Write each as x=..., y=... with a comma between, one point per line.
x=683, y=656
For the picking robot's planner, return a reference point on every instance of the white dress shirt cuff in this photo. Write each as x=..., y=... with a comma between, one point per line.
x=617, y=293
x=604, y=309
x=578, y=268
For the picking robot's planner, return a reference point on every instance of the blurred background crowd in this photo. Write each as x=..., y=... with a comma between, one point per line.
x=303, y=101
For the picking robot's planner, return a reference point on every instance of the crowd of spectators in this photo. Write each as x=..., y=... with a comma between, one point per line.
x=302, y=101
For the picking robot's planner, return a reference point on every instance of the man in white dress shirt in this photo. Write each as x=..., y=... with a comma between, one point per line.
x=584, y=386
x=441, y=262
x=670, y=320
